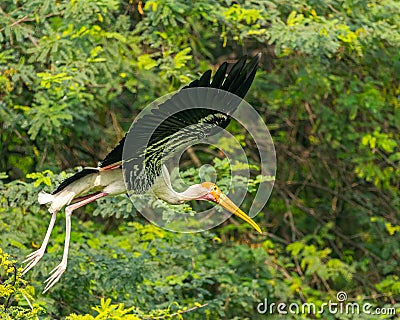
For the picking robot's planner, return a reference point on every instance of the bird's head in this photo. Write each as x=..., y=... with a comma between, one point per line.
x=211, y=192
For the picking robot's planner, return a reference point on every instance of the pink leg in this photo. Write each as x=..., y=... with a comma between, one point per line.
x=79, y=199
x=59, y=270
x=34, y=257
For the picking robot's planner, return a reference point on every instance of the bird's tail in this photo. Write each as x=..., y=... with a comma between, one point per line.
x=57, y=200
x=44, y=197
x=70, y=188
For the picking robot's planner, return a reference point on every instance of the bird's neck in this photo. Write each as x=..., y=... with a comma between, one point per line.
x=162, y=189
x=169, y=196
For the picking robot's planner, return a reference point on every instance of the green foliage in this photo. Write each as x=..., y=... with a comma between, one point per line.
x=73, y=75
x=15, y=295
x=106, y=310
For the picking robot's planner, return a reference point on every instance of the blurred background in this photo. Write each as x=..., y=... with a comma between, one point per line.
x=73, y=76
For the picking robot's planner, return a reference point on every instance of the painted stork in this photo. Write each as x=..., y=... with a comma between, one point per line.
x=107, y=179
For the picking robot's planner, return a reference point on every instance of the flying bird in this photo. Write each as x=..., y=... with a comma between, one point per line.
x=143, y=160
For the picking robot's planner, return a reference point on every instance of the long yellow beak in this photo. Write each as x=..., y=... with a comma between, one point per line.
x=227, y=204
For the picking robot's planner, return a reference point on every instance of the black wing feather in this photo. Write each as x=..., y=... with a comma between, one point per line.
x=114, y=156
x=233, y=75
x=251, y=70
x=233, y=83
x=219, y=76
x=74, y=178
x=184, y=118
x=204, y=81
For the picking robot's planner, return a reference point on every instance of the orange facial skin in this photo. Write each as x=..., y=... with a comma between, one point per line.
x=217, y=196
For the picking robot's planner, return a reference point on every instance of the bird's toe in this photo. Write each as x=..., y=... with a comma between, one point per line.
x=55, y=275
x=31, y=260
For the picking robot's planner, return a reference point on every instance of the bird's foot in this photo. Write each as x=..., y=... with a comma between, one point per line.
x=32, y=259
x=55, y=275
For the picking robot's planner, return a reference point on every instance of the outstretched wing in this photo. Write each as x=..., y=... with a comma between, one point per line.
x=198, y=110
x=237, y=81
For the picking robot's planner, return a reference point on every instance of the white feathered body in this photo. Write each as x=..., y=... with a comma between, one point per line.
x=109, y=181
